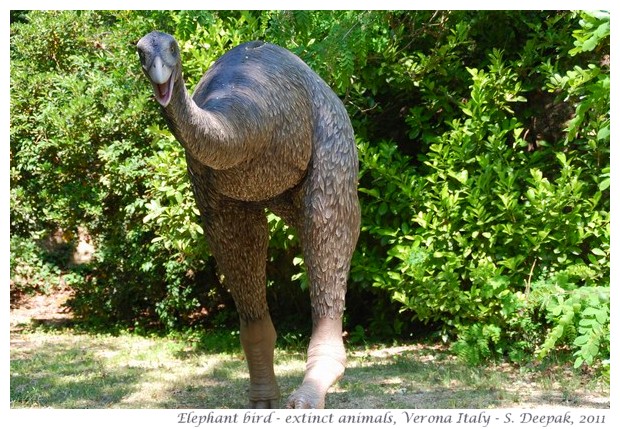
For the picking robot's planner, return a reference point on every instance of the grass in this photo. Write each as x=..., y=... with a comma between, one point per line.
x=62, y=368
x=69, y=370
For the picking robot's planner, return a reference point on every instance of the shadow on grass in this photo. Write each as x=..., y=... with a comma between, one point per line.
x=66, y=375
x=66, y=370
x=402, y=383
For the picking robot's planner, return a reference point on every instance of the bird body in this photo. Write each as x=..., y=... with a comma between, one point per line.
x=263, y=131
x=243, y=87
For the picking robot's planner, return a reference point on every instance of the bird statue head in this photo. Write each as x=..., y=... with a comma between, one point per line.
x=161, y=62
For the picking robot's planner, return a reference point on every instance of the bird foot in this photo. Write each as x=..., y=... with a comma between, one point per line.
x=307, y=396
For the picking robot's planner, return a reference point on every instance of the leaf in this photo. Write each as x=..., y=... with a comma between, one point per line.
x=462, y=176
x=562, y=158
x=578, y=362
x=531, y=194
x=467, y=111
x=603, y=133
x=604, y=184
x=602, y=316
x=373, y=192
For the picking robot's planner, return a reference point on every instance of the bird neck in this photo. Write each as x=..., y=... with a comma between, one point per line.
x=205, y=134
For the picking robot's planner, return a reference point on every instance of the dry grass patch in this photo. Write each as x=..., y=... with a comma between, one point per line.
x=60, y=368
x=71, y=370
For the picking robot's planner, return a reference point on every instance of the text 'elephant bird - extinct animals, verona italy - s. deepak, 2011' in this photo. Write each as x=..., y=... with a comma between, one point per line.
x=263, y=131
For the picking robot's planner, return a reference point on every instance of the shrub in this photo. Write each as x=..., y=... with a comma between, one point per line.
x=485, y=182
x=461, y=240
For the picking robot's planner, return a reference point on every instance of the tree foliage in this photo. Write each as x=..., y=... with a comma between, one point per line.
x=484, y=143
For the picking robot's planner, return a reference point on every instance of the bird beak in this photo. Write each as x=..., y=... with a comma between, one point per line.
x=162, y=79
x=159, y=72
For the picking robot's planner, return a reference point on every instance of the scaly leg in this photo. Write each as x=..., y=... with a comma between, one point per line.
x=325, y=365
x=258, y=338
x=238, y=236
x=329, y=233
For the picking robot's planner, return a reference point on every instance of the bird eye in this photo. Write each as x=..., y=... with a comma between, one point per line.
x=172, y=49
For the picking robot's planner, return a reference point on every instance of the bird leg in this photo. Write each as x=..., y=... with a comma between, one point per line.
x=258, y=338
x=238, y=236
x=325, y=365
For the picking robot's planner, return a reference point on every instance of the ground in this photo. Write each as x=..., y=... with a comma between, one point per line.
x=52, y=365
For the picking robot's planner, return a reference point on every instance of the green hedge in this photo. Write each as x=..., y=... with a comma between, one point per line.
x=484, y=143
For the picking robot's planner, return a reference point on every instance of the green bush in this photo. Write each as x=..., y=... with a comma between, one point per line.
x=79, y=146
x=578, y=315
x=31, y=271
x=460, y=242
x=484, y=177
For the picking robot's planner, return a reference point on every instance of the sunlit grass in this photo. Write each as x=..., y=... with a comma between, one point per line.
x=65, y=369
